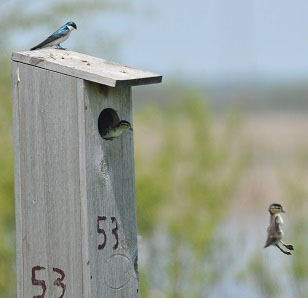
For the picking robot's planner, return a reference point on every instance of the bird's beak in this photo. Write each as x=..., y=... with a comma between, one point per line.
x=131, y=128
x=282, y=211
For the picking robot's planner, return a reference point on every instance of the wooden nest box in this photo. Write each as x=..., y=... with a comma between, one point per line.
x=74, y=191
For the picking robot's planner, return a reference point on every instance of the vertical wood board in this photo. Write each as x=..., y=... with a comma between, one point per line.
x=47, y=182
x=74, y=192
x=110, y=197
x=18, y=208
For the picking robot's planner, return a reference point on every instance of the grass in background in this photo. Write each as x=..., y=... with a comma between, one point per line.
x=294, y=177
x=185, y=174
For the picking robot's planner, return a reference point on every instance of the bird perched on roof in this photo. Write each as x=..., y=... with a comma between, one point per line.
x=274, y=231
x=57, y=37
x=114, y=131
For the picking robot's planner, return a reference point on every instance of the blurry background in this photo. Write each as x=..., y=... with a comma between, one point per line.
x=224, y=136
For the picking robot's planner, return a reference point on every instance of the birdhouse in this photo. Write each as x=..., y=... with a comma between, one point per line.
x=74, y=184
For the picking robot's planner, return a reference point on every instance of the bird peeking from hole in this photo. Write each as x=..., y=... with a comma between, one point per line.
x=274, y=231
x=115, y=130
x=57, y=37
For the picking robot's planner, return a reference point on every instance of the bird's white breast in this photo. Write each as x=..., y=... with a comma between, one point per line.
x=59, y=40
x=279, y=219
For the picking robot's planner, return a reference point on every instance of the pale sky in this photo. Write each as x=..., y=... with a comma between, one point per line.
x=215, y=39
x=204, y=40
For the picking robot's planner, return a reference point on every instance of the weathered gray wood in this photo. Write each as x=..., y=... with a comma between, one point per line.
x=87, y=67
x=66, y=176
x=47, y=181
x=18, y=206
x=74, y=191
x=110, y=192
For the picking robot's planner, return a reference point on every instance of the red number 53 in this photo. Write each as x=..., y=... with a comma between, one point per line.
x=42, y=283
x=114, y=231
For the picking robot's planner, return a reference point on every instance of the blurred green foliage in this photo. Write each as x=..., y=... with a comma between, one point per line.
x=7, y=226
x=295, y=184
x=185, y=175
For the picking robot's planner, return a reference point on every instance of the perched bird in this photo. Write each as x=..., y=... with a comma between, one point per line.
x=113, y=131
x=57, y=37
x=274, y=231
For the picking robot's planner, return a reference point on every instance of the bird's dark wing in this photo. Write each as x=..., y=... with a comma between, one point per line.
x=58, y=34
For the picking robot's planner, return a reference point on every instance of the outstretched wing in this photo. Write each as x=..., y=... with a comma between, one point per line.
x=55, y=36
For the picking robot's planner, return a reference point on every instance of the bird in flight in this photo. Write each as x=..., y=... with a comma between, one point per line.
x=274, y=231
x=57, y=37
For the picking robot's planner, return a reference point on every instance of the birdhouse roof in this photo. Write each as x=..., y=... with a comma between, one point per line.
x=87, y=67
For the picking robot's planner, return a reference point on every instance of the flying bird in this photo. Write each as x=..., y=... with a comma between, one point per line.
x=57, y=37
x=274, y=231
x=114, y=131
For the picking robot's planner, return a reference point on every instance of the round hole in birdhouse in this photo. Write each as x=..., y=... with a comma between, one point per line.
x=107, y=118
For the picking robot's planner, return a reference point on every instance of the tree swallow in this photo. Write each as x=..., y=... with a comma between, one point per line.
x=57, y=37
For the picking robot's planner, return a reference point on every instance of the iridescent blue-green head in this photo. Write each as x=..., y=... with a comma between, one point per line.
x=71, y=25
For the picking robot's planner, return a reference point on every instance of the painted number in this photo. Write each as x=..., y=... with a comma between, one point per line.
x=101, y=231
x=114, y=231
x=58, y=282
x=37, y=282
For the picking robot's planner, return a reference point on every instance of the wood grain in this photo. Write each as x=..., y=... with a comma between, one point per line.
x=17, y=178
x=48, y=212
x=110, y=193
x=86, y=67
x=74, y=191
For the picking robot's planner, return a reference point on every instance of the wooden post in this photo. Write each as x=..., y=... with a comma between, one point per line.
x=74, y=191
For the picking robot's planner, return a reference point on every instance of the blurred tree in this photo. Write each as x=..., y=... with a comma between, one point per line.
x=184, y=182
